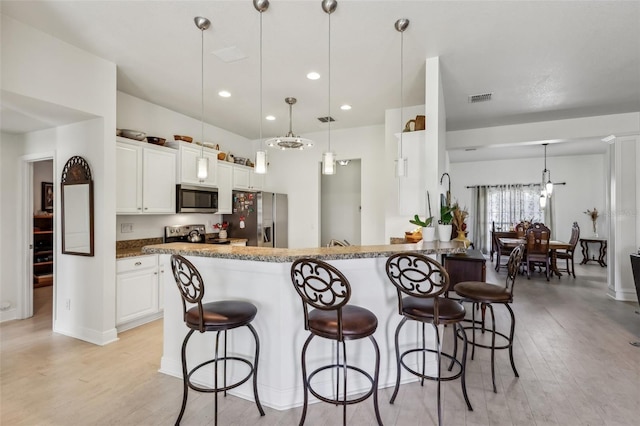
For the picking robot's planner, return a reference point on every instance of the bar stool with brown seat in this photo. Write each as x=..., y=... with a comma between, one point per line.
x=217, y=316
x=325, y=289
x=485, y=294
x=420, y=282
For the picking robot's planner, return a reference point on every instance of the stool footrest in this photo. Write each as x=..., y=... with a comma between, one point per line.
x=339, y=401
x=224, y=388
x=425, y=376
x=489, y=331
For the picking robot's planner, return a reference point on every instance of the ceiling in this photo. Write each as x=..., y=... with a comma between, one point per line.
x=542, y=60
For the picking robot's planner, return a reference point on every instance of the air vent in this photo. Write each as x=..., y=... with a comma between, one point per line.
x=480, y=98
x=326, y=119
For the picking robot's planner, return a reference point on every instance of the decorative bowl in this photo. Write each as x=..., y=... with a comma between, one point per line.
x=222, y=156
x=133, y=134
x=155, y=140
x=183, y=138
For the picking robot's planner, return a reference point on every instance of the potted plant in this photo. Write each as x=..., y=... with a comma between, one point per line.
x=428, y=231
x=444, y=224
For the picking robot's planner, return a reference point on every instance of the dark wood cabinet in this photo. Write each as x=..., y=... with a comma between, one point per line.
x=42, y=250
x=469, y=266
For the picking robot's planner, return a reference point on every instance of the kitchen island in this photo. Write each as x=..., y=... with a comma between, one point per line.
x=261, y=276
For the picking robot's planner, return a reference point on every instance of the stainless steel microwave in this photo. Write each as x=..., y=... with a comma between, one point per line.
x=196, y=199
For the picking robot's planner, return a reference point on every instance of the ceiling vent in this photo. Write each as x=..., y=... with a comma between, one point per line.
x=480, y=98
x=326, y=119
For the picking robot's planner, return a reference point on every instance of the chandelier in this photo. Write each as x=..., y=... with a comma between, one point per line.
x=289, y=141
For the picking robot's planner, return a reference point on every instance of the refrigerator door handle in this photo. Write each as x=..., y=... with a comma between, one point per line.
x=266, y=234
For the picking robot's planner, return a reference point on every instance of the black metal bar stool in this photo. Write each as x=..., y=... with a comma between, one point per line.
x=485, y=294
x=213, y=316
x=420, y=282
x=327, y=290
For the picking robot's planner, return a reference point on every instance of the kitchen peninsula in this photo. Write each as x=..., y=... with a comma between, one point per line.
x=262, y=276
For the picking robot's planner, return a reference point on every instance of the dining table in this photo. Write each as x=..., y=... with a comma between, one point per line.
x=553, y=246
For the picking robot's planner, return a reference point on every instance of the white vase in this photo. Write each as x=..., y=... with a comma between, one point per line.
x=444, y=232
x=428, y=233
x=222, y=234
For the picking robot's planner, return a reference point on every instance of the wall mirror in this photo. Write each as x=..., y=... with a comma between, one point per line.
x=76, y=197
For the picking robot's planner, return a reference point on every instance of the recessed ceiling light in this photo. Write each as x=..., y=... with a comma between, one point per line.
x=345, y=107
x=224, y=94
x=270, y=117
x=313, y=75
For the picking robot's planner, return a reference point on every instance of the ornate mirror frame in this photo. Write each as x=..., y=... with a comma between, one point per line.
x=76, y=200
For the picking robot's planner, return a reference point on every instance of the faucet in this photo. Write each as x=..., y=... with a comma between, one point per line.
x=449, y=188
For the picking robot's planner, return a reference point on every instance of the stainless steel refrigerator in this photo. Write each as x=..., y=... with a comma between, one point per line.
x=260, y=217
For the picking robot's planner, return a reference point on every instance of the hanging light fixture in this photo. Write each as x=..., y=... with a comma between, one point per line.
x=329, y=158
x=547, y=185
x=290, y=141
x=202, y=163
x=261, y=155
x=401, y=163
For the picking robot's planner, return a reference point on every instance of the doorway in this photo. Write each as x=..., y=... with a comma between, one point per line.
x=39, y=227
x=340, y=204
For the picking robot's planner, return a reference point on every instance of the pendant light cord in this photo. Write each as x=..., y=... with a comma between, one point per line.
x=329, y=86
x=401, y=88
x=202, y=92
x=260, y=143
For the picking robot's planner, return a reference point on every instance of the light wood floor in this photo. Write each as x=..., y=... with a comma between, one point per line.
x=572, y=351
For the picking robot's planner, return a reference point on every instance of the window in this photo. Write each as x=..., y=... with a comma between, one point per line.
x=508, y=205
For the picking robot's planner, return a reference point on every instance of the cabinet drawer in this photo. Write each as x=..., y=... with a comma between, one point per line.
x=136, y=263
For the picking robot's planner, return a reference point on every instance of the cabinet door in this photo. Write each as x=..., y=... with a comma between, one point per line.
x=188, y=173
x=128, y=178
x=225, y=187
x=159, y=183
x=240, y=177
x=256, y=181
x=136, y=294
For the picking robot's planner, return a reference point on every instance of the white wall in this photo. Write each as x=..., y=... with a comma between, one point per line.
x=42, y=68
x=585, y=186
x=9, y=150
x=297, y=173
x=137, y=114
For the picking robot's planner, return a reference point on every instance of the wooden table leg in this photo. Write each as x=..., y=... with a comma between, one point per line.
x=554, y=264
x=585, y=252
x=603, y=253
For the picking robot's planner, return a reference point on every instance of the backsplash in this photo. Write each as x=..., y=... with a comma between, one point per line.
x=138, y=227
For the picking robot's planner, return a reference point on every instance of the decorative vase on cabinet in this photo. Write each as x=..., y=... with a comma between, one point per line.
x=444, y=232
x=428, y=233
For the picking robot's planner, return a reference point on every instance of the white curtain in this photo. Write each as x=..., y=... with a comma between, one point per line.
x=480, y=225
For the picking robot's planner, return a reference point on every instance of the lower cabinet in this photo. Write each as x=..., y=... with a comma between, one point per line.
x=138, y=292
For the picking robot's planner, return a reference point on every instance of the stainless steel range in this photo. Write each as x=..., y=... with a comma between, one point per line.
x=189, y=234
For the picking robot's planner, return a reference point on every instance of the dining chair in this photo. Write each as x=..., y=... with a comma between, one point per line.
x=537, y=252
x=520, y=230
x=569, y=253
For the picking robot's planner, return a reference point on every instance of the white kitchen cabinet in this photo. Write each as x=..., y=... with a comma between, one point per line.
x=244, y=178
x=412, y=194
x=187, y=173
x=137, y=291
x=145, y=182
x=225, y=188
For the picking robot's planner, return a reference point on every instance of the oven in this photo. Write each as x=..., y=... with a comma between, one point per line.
x=196, y=199
x=190, y=234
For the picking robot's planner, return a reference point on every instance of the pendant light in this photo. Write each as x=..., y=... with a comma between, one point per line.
x=401, y=163
x=547, y=185
x=261, y=155
x=202, y=163
x=329, y=158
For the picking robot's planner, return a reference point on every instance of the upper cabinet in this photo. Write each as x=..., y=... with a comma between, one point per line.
x=244, y=178
x=145, y=180
x=225, y=188
x=188, y=155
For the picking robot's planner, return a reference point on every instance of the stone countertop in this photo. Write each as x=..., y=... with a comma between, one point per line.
x=132, y=248
x=282, y=255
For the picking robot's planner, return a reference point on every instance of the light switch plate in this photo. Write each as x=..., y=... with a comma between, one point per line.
x=126, y=228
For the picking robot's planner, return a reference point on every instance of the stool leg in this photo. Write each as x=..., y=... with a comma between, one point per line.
x=225, y=363
x=493, y=348
x=398, y=366
x=185, y=376
x=215, y=382
x=344, y=389
x=455, y=347
x=511, y=333
x=439, y=351
x=305, y=381
x=464, y=365
x=473, y=329
x=424, y=358
x=337, y=394
x=255, y=369
x=376, y=377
